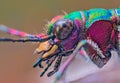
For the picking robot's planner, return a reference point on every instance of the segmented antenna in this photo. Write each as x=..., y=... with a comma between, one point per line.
x=15, y=32
x=26, y=39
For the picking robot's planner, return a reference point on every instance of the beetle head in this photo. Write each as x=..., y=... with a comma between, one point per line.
x=62, y=28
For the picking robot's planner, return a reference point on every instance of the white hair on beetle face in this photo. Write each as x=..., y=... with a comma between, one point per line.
x=45, y=29
x=64, y=12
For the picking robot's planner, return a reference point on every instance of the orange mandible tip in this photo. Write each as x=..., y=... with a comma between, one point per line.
x=44, y=46
x=53, y=49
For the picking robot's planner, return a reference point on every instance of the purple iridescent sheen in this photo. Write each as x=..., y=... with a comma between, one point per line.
x=72, y=41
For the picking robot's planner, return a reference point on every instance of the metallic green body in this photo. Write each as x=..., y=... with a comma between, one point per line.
x=90, y=16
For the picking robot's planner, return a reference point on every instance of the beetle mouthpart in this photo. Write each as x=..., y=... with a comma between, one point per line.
x=38, y=62
x=35, y=52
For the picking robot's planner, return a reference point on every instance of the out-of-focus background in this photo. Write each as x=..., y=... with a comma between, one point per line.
x=16, y=59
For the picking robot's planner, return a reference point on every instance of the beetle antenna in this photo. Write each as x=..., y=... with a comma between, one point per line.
x=26, y=39
x=15, y=32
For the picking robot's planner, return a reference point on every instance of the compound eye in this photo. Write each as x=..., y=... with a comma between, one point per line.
x=63, y=29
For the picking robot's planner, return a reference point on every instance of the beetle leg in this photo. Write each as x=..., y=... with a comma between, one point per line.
x=56, y=66
x=59, y=59
x=49, y=64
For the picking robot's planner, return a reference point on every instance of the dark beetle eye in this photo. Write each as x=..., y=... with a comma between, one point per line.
x=63, y=28
x=64, y=25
